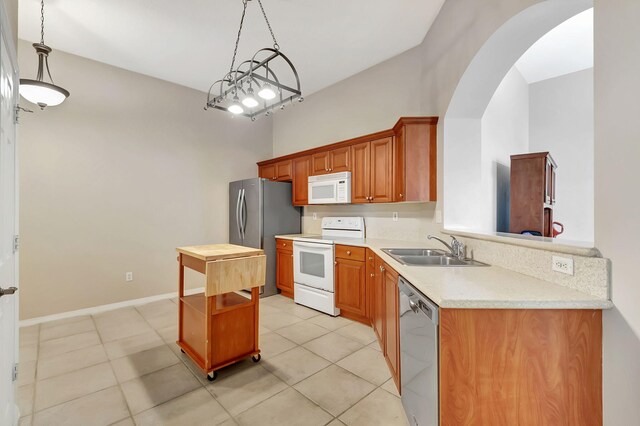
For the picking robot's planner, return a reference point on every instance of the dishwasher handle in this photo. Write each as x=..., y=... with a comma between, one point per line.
x=417, y=301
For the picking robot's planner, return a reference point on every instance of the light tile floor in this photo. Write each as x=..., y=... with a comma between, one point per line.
x=123, y=367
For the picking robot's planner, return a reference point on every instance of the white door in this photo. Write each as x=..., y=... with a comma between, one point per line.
x=8, y=230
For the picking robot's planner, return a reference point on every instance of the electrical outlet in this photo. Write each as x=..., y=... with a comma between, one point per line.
x=315, y=216
x=395, y=216
x=562, y=264
x=128, y=276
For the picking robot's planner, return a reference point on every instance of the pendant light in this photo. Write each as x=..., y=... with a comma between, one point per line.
x=39, y=91
x=236, y=91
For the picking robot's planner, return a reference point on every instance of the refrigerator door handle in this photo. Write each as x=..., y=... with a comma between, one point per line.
x=243, y=213
x=238, y=213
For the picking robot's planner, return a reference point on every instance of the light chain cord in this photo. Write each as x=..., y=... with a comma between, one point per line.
x=42, y=22
x=235, y=51
x=275, y=43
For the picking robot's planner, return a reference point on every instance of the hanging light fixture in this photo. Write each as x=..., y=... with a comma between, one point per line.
x=39, y=91
x=236, y=91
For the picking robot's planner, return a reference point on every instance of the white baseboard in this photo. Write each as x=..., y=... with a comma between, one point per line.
x=104, y=308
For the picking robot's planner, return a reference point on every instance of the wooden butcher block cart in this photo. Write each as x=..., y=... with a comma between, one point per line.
x=220, y=326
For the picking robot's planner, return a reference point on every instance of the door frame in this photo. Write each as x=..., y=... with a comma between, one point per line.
x=10, y=43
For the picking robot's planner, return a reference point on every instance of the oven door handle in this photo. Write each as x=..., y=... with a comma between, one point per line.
x=317, y=246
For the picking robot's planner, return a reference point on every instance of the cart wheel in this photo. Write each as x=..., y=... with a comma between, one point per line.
x=256, y=358
x=182, y=350
x=212, y=376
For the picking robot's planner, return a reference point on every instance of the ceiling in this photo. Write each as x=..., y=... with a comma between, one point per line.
x=327, y=40
x=565, y=49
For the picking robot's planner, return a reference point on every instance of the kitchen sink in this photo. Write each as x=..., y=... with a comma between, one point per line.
x=429, y=257
x=414, y=252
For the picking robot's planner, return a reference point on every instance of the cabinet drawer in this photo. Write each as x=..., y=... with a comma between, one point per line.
x=350, y=252
x=284, y=245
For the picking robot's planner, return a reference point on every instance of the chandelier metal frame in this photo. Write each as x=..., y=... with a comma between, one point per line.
x=238, y=84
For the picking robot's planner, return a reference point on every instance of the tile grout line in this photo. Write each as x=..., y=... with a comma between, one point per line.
x=126, y=403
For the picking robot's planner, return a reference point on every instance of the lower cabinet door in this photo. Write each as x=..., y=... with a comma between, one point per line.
x=378, y=301
x=391, y=323
x=351, y=294
x=284, y=272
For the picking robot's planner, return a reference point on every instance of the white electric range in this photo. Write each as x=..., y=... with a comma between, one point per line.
x=314, y=260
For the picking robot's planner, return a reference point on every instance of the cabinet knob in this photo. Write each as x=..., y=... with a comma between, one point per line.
x=335, y=263
x=373, y=275
x=382, y=268
x=400, y=195
x=348, y=252
x=284, y=244
x=370, y=258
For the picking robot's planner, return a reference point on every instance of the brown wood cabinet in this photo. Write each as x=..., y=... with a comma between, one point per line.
x=370, y=272
x=520, y=367
x=372, y=171
x=280, y=171
x=351, y=283
x=393, y=165
x=331, y=161
x=391, y=323
x=300, y=187
x=415, y=159
x=284, y=267
x=532, y=193
x=385, y=315
x=377, y=301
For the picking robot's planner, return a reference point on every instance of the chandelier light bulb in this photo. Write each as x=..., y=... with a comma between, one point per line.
x=267, y=92
x=235, y=107
x=250, y=101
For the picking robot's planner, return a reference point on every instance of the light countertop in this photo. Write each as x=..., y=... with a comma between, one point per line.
x=483, y=287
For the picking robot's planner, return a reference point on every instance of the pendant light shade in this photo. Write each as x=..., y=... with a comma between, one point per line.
x=39, y=91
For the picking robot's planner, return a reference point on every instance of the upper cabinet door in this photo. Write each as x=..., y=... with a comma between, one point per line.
x=415, y=160
x=268, y=171
x=320, y=163
x=381, y=190
x=300, y=187
x=399, y=164
x=283, y=170
x=340, y=160
x=360, y=172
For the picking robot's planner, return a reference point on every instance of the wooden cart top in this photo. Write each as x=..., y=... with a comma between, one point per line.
x=213, y=252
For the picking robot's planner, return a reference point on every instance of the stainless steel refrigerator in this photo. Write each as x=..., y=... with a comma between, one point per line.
x=260, y=209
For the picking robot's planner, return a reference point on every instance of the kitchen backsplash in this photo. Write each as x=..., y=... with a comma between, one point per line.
x=592, y=275
x=415, y=220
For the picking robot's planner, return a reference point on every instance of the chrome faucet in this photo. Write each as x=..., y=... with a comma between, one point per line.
x=456, y=248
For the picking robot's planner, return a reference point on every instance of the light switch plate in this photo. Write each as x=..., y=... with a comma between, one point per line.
x=395, y=216
x=315, y=216
x=438, y=216
x=128, y=276
x=563, y=265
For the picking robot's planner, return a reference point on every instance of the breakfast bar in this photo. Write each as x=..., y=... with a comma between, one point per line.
x=219, y=327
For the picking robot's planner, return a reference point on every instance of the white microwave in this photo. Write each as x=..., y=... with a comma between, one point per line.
x=333, y=188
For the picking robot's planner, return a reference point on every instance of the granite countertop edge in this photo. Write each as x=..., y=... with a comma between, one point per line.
x=481, y=287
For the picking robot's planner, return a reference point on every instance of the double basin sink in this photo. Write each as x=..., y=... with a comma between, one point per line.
x=428, y=257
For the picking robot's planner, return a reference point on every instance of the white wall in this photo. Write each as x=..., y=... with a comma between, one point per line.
x=114, y=179
x=504, y=132
x=370, y=101
x=617, y=205
x=561, y=122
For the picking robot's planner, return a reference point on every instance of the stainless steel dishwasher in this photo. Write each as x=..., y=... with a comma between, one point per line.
x=419, y=355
